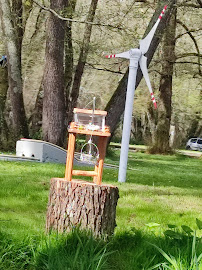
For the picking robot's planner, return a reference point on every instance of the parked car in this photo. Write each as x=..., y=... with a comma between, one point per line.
x=194, y=144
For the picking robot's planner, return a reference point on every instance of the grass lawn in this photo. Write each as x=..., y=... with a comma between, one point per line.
x=160, y=190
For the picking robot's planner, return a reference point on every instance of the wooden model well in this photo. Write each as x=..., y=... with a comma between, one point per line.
x=86, y=125
x=73, y=202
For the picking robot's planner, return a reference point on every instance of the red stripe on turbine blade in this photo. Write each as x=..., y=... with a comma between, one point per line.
x=110, y=56
x=153, y=99
x=163, y=12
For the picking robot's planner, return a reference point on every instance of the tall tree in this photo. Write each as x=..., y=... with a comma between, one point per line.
x=82, y=58
x=19, y=123
x=53, y=123
x=161, y=143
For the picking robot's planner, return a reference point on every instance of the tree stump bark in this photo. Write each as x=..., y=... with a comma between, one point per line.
x=80, y=203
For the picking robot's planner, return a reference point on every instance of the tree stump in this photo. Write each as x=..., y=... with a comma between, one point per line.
x=80, y=203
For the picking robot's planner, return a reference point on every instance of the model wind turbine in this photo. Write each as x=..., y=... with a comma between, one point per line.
x=135, y=56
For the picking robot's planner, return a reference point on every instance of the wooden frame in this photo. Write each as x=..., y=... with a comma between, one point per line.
x=102, y=144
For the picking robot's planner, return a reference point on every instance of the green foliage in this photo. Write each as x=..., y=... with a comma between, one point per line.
x=193, y=258
x=199, y=224
x=178, y=233
x=193, y=262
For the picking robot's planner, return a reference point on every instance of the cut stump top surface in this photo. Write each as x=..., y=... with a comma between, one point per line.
x=84, y=183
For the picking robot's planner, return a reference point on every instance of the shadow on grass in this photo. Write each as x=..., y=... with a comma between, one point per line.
x=127, y=251
x=16, y=254
x=80, y=251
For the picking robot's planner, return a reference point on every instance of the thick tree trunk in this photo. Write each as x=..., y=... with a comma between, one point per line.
x=84, y=204
x=82, y=59
x=19, y=123
x=53, y=123
x=116, y=105
x=161, y=144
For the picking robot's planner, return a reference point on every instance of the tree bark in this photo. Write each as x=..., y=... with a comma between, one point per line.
x=161, y=144
x=116, y=105
x=82, y=59
x=53, y=123
x=69, y=54
x=19, y=122
x=84, y=204
x=4, y=132
x=17, y=10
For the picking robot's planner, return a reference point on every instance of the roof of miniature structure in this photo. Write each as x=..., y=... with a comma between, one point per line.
x=90, y=112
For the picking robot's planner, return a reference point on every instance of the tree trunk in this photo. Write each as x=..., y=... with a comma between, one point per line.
x=4, y=132
x=82, y=59
x=69, y=58
x=161, y=144
x=84, y=204
x=116, y=105
x=18, y=15
x=53, y=123
x=19, y=123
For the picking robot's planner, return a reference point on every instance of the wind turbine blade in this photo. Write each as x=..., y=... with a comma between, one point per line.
x=121, y=55
x=143, y=66
x=145, y=43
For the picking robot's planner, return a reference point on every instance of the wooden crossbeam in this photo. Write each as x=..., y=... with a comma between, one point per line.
x=84, y=173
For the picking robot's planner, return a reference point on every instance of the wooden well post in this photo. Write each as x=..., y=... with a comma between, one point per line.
x=73, y=202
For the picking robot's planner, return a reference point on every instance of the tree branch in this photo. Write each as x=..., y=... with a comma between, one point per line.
x=104, y=69
x=73, y=20
x=188, y=55
x=190, y=31
x=195, y=43
x=191, y=5
x=188, y=62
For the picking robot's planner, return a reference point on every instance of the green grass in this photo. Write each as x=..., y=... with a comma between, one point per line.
x=160, y=190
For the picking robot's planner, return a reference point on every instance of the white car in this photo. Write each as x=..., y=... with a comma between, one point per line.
x=194, y=144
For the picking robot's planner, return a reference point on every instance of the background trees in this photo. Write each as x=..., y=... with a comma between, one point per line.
x=126, y=21
x=161, y=143
x=53, y=125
